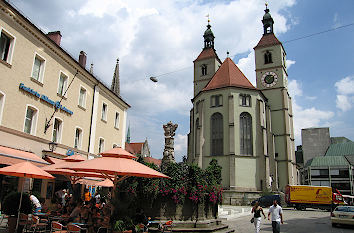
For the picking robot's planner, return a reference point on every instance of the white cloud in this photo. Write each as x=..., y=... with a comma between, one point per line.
x=345, y=93
x=247, y=67
x=289, y=63
x=305, y=117
x=180, y=146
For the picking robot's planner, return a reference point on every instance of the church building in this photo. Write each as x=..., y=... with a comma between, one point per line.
x=247, y=129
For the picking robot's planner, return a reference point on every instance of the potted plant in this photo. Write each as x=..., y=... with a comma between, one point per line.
x=10, y=207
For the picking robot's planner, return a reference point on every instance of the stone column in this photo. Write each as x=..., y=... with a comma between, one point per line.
x=168, y=152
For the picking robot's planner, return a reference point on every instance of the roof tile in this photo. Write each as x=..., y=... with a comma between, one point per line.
x=268, y=40
x=228, y=75
x=207, y=53
x=341, y=149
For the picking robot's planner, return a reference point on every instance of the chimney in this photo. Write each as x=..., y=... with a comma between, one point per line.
x=55, y=36
x=82, y=59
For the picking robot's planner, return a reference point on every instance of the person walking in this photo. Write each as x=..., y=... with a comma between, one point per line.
x=257, y=210
x=277, y=216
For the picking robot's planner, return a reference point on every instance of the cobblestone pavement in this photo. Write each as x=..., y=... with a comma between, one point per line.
x=309, y=221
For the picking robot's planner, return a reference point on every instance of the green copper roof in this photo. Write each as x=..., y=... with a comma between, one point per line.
x=335, y=140
x=340, y=149
x=327, y=161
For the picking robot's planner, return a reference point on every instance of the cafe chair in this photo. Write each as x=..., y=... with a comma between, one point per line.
x=37, y=226
x=24, y=222
x=3, y=216
x=167, y=226
x=57, y=227
x=72, y=228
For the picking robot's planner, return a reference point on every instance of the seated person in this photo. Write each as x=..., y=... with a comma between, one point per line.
x=36, y=203
x=86, y=212
x=75, y=214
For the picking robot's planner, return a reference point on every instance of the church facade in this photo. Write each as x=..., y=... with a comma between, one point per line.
x=247, y=129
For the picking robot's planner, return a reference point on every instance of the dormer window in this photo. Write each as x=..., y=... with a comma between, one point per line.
x=204, y=70
x=268, y=57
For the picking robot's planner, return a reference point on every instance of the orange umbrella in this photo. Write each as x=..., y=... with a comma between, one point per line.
x=116, y=167
x=26, y=170
x=118, y=152
x=74, y=158
x=105, y=183
x=73, y=176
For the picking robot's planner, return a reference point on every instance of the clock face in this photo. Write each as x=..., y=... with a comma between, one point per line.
x=269, y=79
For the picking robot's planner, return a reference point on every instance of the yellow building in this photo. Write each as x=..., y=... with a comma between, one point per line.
x=47, y=96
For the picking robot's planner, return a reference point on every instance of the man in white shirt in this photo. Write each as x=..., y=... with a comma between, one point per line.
x=36, y=203
x=277, y=216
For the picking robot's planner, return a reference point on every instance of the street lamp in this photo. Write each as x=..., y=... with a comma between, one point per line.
x=52, y=146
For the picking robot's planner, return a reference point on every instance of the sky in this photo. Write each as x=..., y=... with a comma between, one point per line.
x=162, y=38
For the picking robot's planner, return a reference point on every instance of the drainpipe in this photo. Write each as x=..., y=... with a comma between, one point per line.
x=91, y=120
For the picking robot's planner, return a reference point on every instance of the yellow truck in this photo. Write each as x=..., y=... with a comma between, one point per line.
x=303, y=196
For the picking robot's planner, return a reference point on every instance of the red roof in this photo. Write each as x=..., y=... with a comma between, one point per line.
x=134, y=148
x=153, y=160
x=228, y=75
x=268, y=40
x=207, y=53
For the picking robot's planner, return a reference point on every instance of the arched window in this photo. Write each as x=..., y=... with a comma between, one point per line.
x=246, y=145
x=204, y=69
x=197, y=137
x=267, y=57
x=217, y=144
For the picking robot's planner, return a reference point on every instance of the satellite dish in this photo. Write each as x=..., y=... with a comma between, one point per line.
x=154, y=79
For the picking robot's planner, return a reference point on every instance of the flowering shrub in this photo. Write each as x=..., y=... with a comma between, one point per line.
x=186, y=182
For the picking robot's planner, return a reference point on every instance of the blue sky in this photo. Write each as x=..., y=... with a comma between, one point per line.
x=154, y=37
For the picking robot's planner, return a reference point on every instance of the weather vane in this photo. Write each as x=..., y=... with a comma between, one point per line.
x=266, y=4
x=208, y=18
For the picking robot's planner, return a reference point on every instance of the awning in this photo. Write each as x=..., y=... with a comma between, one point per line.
x=10, y=156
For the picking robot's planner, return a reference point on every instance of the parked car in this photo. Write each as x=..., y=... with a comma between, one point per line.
x=343, y=215
x=266, y=201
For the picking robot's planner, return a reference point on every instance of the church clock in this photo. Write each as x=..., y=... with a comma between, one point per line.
x=269, y=79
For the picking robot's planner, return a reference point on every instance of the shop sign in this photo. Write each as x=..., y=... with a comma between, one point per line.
x=45, y=98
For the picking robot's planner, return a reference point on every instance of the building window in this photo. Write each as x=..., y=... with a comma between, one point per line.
x=6, y=46
x=216, y=101
x=204, y=70
x=101, y=145
x=246, y=147
x=63, y=83
x=217, y=144
x=30, y=120
x=2, y=103
x=82, y=97
x=116, y=121
x=268, y=57
x=104, y=112
x=38, y=68
x=57, y=128
x=78, y=138
x=245, y=100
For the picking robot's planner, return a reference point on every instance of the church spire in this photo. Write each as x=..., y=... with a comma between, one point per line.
x=267, y=21
x=128, y=135
x=115, y=87
x=208, y=37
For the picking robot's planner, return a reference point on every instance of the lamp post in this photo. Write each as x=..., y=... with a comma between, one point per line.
x=52, y=146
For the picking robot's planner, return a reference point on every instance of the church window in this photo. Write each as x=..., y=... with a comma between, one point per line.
x=246, y=147
x=217, y=134
x=197, y=137
x=216, y=101
x=204, y=70
x=268, y=57
x=197, y=107
x=245, y=100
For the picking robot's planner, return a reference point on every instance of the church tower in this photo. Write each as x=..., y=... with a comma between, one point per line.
x=271, y=73
x=115, y=87
x=207, y=63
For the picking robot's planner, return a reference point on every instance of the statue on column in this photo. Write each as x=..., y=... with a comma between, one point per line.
x=168, y=152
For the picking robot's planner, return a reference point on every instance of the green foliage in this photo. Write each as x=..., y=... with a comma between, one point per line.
x=11, y=203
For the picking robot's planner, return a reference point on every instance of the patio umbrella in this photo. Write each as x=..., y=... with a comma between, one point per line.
x=26, y=170
x=118, y=152
x=105, y=183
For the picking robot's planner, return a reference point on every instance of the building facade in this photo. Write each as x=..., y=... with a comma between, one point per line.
x=48, y=96
x=248, y=129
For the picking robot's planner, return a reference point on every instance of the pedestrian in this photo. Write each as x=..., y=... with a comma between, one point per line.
x=87, y=196
x=257, y=210
x=277, y=216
